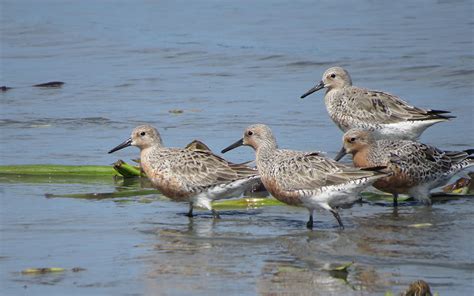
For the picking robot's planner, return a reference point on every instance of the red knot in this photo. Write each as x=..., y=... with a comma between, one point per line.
x=305, y=178
x=387, y=115
x=192, y=175
x=417, y=168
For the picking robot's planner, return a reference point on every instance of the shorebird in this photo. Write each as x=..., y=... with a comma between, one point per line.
x=387, y=115
x=193, y=175
x=305, y=178
x=417, y=168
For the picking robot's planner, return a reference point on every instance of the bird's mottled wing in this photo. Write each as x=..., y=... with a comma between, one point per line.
x=311, y=171
x=200, y=168
x=376, y=106
x=420, y=161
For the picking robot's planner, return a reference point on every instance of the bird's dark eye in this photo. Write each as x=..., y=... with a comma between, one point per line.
x=333, y=75
x=352, y=139
x=142, y=133
x=249, y=133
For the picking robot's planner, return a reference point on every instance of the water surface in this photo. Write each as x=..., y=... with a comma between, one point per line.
x=226, y=64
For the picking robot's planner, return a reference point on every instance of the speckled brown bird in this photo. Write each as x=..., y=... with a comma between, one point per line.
x=305, y=178
x=192, y=175
x=417, y=168
x=387, y=115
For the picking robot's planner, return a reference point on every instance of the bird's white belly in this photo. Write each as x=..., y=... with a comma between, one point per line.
x=223, y=191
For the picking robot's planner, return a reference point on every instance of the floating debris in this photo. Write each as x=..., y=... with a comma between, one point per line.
x=42, y=270
x=57, y=170
x=288, y=269
x=343, y=267
x=51, y=84
x=176, y=111
x=338, y=271
x=5, y=88
x=420, y=225
x=45, y=270
x=127, y=170
x=249, y=203
x=461, y=186
x=105, y=195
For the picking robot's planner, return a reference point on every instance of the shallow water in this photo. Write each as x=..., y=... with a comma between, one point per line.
x=226, y=65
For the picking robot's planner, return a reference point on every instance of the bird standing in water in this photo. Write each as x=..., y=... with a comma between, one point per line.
x=305, y=178
x=387, y=115
x=196, y=176
x=416, y=168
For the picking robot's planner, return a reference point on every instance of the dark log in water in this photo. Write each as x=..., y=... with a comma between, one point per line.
x=50, y=84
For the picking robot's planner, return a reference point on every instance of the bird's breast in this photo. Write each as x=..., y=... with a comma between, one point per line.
x=277, y=190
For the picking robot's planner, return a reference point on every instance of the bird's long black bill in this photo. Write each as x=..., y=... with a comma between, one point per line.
x=233, y=146
x=125, y=144
x=341, y=154
x=314, y=89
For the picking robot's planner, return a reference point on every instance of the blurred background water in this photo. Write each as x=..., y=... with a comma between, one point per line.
x=225, y=64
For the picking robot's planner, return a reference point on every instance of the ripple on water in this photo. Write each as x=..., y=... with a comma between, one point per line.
x=60, y=122
x=304, y=64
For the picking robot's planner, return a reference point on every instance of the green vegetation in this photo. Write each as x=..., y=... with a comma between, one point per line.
x=130, y=174
x=57, y=170
x=126, y=170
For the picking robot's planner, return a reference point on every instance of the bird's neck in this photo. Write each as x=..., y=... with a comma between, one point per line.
x=146, y=151
x=265, y=151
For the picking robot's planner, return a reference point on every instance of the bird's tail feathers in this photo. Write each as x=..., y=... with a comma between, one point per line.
x=442, y=114
x=470, y=152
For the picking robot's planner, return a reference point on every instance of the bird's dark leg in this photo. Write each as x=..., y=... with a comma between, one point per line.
x=215, y=214
x=309, y=224
x=395, y=199
x=338, y=218
x=190, y=213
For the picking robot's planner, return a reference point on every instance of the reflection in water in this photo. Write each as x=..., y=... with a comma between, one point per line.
x=266, y=248
x=395, y=234
x=282, y=278
x=201, y=256
x=132, y=183
x=190, y=258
